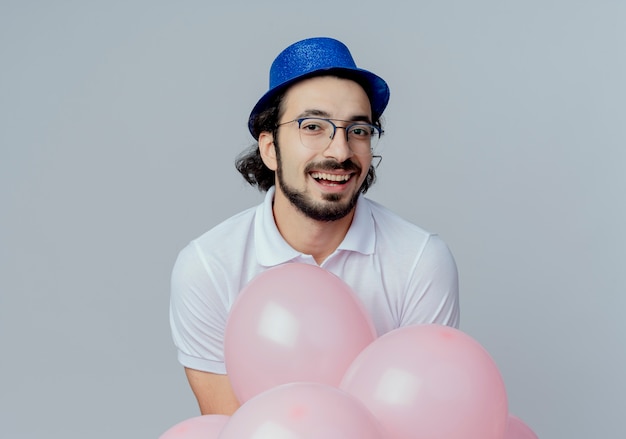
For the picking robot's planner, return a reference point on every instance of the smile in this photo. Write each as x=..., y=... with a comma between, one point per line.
x=333, y=178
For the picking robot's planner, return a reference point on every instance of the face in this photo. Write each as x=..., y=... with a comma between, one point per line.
x=324, y=184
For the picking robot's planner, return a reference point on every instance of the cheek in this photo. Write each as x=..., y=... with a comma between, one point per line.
x=365, y=166
x=291, y=165
x=296, y=159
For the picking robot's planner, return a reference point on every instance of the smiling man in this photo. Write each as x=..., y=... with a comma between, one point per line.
x=320, y=167
x=316, y=132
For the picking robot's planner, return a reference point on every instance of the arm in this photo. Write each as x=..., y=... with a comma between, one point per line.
x=213, y=392
x=198, y=316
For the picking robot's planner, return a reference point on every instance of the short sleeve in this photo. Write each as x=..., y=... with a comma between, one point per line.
x=197, y=313
x=432, y=294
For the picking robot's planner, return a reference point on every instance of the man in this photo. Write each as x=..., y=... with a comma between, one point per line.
x=316, y=130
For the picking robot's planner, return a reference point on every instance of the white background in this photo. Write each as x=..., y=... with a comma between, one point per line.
x=119, y=124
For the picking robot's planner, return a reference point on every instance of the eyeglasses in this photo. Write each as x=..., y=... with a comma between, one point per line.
x=316, y=133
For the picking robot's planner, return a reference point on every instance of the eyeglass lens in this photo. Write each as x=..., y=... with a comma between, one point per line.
x=319, y=133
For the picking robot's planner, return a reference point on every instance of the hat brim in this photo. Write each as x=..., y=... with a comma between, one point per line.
x=375, y=87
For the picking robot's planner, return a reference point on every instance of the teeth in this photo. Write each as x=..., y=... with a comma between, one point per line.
x=331, y=177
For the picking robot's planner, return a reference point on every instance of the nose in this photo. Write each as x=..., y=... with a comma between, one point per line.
x=339, y=149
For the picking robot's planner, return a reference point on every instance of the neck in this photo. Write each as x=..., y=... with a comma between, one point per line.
x=308, y=236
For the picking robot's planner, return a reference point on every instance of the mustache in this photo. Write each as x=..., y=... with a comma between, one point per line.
x=333, y=165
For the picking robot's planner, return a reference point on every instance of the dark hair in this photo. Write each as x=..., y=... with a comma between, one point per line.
x=250, y=164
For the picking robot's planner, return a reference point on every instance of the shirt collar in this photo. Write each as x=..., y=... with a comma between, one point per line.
x=272, y=249
x=361, y=236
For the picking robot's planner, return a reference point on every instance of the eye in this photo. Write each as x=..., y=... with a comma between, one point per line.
x=313, y=126
x=361, y=131
x=310, y=127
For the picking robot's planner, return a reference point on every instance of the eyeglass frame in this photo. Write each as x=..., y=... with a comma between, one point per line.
x=351, y=123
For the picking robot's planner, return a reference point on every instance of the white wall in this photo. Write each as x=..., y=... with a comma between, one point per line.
x=119, y=123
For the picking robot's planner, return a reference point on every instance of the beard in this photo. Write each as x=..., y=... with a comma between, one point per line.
x=332, y=208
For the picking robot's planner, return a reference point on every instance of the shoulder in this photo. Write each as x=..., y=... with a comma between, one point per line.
x=228, y=230
x=388, y=222
x=399, y=235
x=218, y=244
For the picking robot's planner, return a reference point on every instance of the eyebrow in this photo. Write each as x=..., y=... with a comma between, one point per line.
x=321, y=113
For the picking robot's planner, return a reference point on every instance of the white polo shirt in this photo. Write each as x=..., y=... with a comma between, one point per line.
x=402, y=274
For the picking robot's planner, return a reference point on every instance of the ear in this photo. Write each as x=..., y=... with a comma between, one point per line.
x=268, y=150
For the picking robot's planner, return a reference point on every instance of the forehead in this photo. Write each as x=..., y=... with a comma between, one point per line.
x=331, y=95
